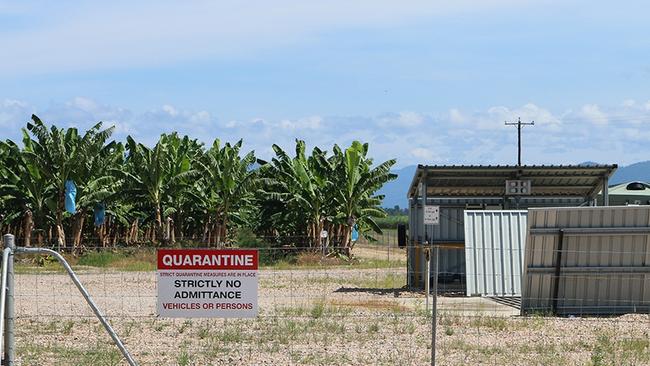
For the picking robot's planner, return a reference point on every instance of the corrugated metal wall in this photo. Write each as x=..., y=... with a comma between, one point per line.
x=451, y=231
x=494, y=244
x=588, y=260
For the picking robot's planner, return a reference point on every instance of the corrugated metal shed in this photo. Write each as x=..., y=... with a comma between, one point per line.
x=458, y=188
x=587, y=260
x=494, y=252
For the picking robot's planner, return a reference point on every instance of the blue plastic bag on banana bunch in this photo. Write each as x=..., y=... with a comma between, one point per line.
x=70, y=197
x=100, y=214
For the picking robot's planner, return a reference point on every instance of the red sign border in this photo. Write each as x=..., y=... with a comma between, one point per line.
x=162, y=252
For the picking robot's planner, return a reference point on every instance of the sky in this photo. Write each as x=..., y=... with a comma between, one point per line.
x=424, y=82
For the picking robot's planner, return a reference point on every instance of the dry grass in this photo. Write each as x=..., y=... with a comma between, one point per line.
x=370, y=304
x=334, y=334
x=336, y=315
x=311, y=259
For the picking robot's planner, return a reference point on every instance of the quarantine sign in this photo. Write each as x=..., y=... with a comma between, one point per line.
x=206, y=283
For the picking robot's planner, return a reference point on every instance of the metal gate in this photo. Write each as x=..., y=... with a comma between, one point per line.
x=494, y=251
x=7, y=301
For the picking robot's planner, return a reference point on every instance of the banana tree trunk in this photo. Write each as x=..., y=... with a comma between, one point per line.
x=346, y=239
x=314, y=235
x=60, y=234
x=132, y=236
x=165, y=237
x=136, y=230
x=224, y=229
x=78, y=226
x=211, y=234
x=128, y=234
x=29, y=225
x=100, y=234
x=169, y=230
x=172, y=234
x=159, y=227
x=179, y=227
x=319, y=227
x=206, y=230
x=217, y=235
x=115, y=234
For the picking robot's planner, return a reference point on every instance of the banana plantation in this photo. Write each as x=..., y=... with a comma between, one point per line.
x=73, y=189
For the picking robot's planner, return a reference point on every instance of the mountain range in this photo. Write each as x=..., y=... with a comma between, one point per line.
x=395, y=191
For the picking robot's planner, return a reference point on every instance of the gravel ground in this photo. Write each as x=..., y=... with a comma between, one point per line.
x=335, y=316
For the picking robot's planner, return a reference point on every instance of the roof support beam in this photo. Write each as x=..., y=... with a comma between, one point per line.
x=547, y=181
x=502, y=187
x=508, y=176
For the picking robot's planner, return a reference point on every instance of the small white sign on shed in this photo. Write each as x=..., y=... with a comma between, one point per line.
x=518, y=187
x=431, y=215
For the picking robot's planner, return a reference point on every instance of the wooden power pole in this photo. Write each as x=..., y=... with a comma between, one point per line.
x=519, y=125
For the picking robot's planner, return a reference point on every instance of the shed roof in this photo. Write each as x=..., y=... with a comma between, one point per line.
x=490, y=180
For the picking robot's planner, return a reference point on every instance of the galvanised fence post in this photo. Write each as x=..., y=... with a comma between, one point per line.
x=9, y=336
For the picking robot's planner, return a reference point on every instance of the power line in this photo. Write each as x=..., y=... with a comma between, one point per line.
x=519, y=125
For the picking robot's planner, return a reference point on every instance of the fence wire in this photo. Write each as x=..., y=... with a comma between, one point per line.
x=313, y=309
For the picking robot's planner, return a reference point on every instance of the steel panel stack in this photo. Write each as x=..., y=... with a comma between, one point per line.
x=588, y=260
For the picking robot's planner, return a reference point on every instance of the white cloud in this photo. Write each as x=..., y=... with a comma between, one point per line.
x=478, y=137
x=170, y=110
x=13, y=115
x=232, y=123
x=456, y=116
x=635, y=134
x=401, y=119
x=424, y=154
x=84, y=104
x=541, y=116
x=122, y=128
x=13, y=103
x=410, y=119
x=311, y=122
x=592, y=113
x=201, y=117
x=496, y=117
x=629, y=103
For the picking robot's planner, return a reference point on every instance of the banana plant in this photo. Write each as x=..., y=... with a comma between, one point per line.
x=357, y=182
x=25, y=189
x=98, y=182
x=298, y=185
x=229, y=180
x=179, y=187
x=157, y=174
x=60, y=155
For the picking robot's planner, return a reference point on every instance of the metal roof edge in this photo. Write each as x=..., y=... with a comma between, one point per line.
x=639, y=207
x=422, y=169
x=586, y=167
x=418, y=170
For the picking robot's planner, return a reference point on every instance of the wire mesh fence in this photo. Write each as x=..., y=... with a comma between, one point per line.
x=313, y=309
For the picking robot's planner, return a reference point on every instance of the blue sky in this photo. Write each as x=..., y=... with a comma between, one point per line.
x=422, y=81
